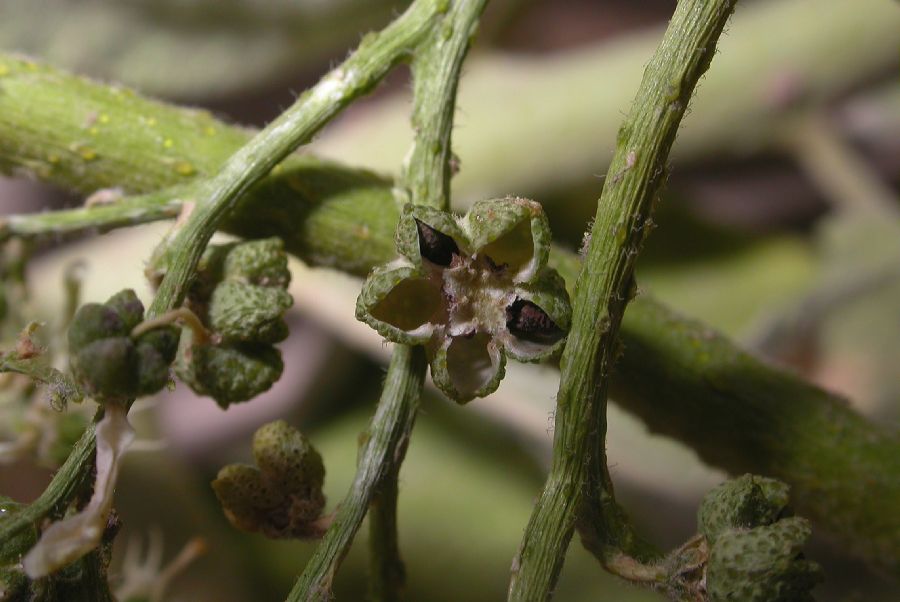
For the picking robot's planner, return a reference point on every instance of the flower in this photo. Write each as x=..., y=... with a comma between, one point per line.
x=472, y=290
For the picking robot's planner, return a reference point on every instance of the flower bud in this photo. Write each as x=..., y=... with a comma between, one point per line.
x=107, y=369
x=745, y=502
x=245, y=312
x=763, y=564
x=128, y=306
x=228, y=373
x=93, y=322
x=282, y=497
x=258, y=262
x=108, y=364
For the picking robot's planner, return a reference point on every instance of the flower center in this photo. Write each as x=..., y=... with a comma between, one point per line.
x=477, y=292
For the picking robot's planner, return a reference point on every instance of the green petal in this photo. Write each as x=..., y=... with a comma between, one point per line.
x=414, y=218
x=464, y=368
x=402, y=303
x=513, y=232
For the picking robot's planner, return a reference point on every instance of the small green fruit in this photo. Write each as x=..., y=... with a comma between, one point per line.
x=745, y=502
x=229, y=373
x=93, y=322
x=258, y=262
x=107, y=369
x=128, y=306
x=763, y=564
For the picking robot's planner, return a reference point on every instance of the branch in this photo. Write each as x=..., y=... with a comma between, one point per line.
x=425, y=180
x=578, y=486
x=391, y=425
x=680, y=376
x=366, y=66
x=66, y=483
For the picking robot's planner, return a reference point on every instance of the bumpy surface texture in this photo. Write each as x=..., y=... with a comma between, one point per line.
x=240, y=296
x=280, y=497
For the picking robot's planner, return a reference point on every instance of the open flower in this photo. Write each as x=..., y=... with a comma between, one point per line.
x=472, y=290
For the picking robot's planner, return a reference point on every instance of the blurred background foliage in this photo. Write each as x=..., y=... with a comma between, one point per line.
x=779, y=227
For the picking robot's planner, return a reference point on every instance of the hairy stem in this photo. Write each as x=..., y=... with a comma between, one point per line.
x=387, y=573
x=578, y=487
x=366, y=66
x=425, y=180
x=387, y=436
x=66, y=483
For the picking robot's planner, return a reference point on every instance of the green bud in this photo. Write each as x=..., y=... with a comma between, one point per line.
x=93, y=322
x=258, y=262
x=245, y=312
x=283, y=496
x=745, y=502
x=128, y=306
x=763, y=564
x=228, y=373
x=245, y=496
x=164, y=339
x=153, y=370
x=107, y=369
x=287, y=458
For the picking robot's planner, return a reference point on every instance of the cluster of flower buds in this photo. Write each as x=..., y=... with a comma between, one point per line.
x=109, y=363
x=240, y=296
x=280, y=497
x=472, y=290
x=754, y=546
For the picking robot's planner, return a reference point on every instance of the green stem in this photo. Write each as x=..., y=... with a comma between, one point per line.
x=366, y=66
x=578, y=487
x=387, y=436
x=425, y=180
x=130, y=211
x=66, y=483
x=387, y=573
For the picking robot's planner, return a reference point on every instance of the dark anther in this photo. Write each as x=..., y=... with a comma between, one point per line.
x=436, y=247
x=527, y=321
